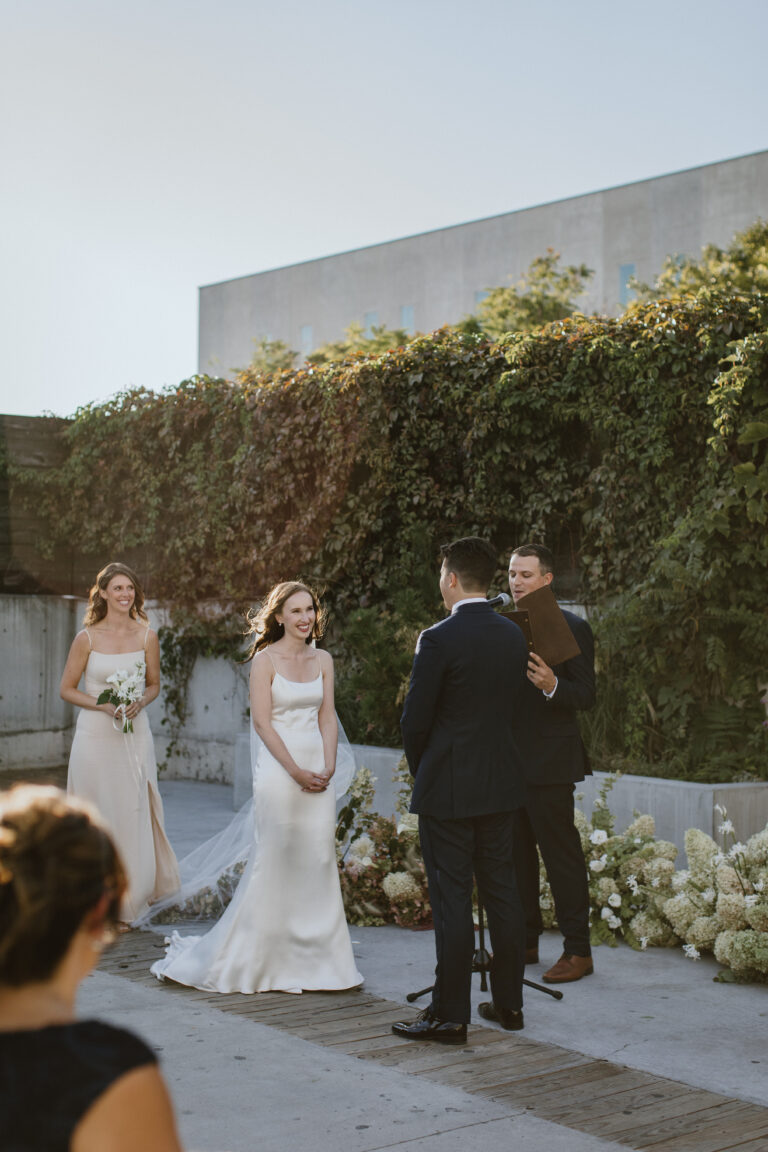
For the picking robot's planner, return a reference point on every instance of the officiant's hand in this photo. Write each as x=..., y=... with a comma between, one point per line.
x=540, y=674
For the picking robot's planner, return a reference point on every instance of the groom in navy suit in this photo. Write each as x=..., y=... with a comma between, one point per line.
x=468, y=675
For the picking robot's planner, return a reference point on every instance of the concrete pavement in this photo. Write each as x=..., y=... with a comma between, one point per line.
x=240, y=1085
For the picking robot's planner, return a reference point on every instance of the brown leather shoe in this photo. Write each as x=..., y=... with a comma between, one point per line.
x=569, y=968
x=532, y=955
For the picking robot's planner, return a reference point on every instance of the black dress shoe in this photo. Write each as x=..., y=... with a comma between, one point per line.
x=428, y=1027
x=511, y=1020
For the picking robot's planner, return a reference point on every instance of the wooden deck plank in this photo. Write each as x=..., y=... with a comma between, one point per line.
x=644, y=1112
x=692, y=1111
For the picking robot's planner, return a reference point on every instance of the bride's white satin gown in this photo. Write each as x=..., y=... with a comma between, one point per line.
x=285, y=929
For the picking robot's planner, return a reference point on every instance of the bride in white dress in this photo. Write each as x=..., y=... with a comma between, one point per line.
x=285, y=929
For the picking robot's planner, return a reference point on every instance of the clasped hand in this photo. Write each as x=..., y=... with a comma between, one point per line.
x=312, y=781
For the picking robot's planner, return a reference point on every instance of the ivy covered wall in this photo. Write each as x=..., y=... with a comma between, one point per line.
x=635, y=447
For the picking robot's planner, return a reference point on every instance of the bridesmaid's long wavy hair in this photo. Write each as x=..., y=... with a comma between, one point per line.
x=265, y=628
x=97, y=605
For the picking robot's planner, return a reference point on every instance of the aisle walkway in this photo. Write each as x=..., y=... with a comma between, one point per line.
x=647, y=1053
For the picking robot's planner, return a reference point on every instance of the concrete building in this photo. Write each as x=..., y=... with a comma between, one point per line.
x=422, y=282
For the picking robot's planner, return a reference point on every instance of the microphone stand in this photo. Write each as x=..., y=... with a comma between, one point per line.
x=481, y=962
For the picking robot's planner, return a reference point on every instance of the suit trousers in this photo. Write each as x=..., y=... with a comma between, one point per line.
x=455, y=851
x=547, y=820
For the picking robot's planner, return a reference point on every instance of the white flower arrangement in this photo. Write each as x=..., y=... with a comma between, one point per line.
x=720, y=904
x=127, y=688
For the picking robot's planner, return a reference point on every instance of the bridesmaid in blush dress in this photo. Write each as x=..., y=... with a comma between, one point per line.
x=115, y=770
x=285, y=929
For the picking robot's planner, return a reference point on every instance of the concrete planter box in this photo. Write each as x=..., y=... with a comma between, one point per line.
x=677, y=805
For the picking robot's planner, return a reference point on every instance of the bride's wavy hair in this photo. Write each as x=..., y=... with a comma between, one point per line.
x=97, y=605
x=265, y=628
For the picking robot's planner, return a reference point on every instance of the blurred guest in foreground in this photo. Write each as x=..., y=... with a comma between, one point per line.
x=66, y=1085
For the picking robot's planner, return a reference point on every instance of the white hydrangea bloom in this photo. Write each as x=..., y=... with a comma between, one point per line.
x=400, y=886
x=599, y=836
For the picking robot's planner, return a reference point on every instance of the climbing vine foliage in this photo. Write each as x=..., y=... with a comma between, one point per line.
x=636, y=447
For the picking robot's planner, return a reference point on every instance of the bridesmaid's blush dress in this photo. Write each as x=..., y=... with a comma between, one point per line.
x=117, y=773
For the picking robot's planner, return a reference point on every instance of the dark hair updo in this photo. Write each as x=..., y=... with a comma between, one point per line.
x=57, y=864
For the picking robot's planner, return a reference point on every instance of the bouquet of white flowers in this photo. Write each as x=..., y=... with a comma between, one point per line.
x=127, y=688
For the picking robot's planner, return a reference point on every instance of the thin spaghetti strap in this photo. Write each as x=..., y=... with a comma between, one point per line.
x=146, y=634
x=90, y=642
x=270, y=659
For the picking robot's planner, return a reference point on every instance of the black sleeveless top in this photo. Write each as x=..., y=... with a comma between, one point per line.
x=50, y=1077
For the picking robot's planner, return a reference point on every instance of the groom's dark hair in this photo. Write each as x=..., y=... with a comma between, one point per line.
x=473, y=560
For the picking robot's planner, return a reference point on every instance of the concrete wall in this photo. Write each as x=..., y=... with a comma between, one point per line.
x=439, y=273
x=35, y=723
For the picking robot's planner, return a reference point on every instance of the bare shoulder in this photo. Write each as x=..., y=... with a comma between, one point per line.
x=261, y=666
x=81, y=643
x=326, y=660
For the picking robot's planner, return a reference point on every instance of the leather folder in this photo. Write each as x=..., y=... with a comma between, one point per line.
x=546, y=630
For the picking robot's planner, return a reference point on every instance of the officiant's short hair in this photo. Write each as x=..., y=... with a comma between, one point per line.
x=541, y=552
x=472, y=559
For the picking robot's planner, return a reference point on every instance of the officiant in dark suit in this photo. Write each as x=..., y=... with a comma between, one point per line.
x=554, y=759
x=468, y=674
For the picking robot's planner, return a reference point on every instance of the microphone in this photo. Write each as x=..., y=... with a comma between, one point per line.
x=500, y=601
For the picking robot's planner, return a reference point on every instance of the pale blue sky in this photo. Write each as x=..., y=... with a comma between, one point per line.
x=152, y=147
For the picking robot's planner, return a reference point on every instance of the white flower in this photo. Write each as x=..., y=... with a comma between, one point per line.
x=614, y=900
x=361, y=849
x=633, y=885
x=638, y=840
x=759, y=885
x=691, y=952
x=719, y=808
x=708, y=895
x=736, y=849
x=606, y=914
x=655, y=882
x=643, y=942
x=366, y=862
x=400, y=886
x=725, y=827
x=598, y=865
x=614, y=922
x=750, y=901
x=599, y=802
x=719, y=858
x=599, y=836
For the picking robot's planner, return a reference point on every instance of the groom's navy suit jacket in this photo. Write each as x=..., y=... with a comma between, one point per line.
x=457, y=723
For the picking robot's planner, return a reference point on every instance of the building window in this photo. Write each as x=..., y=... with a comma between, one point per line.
x=408, y=318
x=370, y=321
x=306, y=339
x=626, y=273
x=480, y=296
